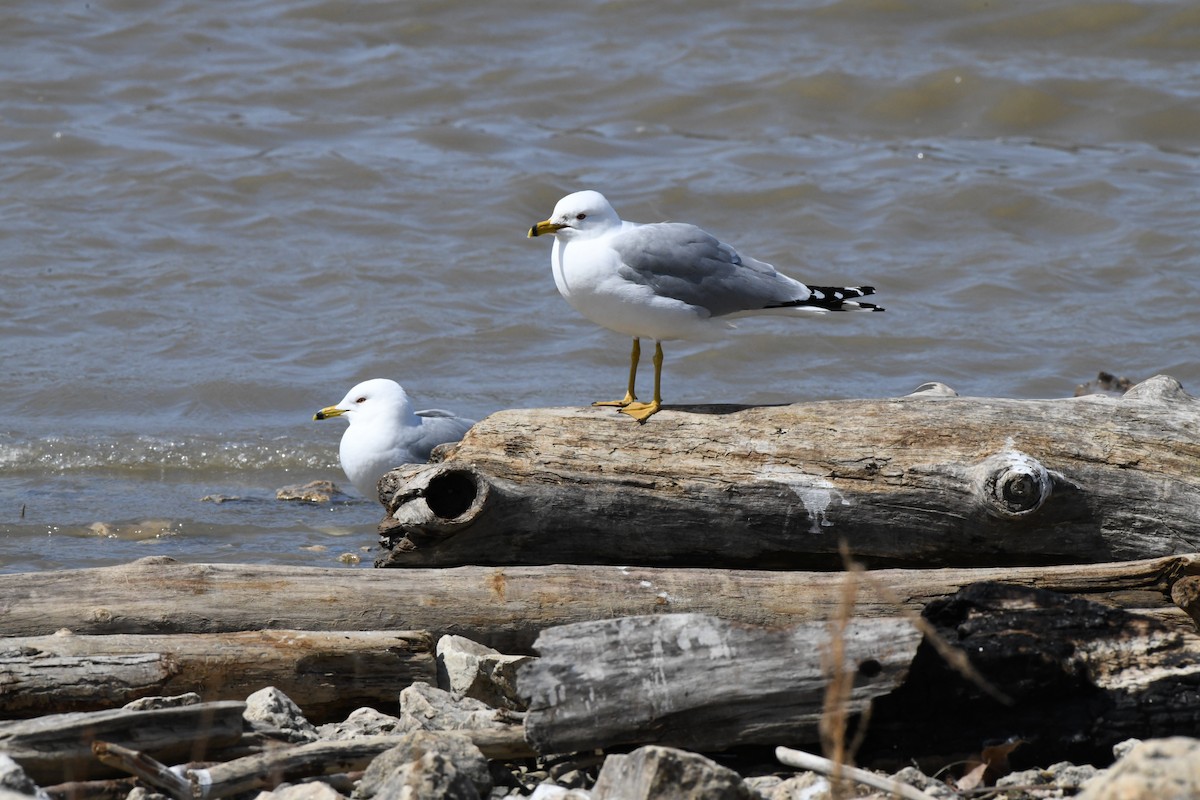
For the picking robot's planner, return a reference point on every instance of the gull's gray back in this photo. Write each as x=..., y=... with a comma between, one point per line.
x=686, y=263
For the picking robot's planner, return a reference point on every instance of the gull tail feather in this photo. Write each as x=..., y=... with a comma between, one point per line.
x=834, y=298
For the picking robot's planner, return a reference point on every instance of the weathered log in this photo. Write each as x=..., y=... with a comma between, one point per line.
x=506, y=607
x=698, y=682
x=58, y=748
x=1080, y=677
x=1068, y=677
x=329, y=674
x=923, y=480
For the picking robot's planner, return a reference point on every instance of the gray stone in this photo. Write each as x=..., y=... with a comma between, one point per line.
x=312, y=790
x=931, y=786
x=363, y=721
x=457, y=750
x=665, y=773
x=469, y=669
x=14, y=780
x=272, y=712
x=804, y=786
x=425, y=707
x=1121, y=749
x=1156, y=769
x=433, y=776
x=551, y=791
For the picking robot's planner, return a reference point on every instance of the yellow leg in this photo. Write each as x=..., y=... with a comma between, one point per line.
x=642, y=411
x=630, y=397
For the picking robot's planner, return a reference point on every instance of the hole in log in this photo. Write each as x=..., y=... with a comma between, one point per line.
x=1021, y=492
x=870, y=668
x=450, y=494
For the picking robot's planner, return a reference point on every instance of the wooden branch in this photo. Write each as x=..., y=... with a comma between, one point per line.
x=151, y=772
x=58, y=748
x=807, y=761
x=329, y=674
x=698, y=682
x=507, y=607
x=920, y=480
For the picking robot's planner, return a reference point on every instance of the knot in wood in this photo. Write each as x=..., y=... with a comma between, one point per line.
x=1012, y=484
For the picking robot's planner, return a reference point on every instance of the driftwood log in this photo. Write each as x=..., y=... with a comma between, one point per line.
x=132, y=633
x=58, y=748
x=507, y=607
x=925, y=480
x=700, y=683
x=1065, y=677
x=334, y=673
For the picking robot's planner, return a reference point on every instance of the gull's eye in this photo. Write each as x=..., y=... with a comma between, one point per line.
x=581, y=216
x=361, y=400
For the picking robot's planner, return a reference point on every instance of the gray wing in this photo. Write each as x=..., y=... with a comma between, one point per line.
x=686, y=263
x=438, y=427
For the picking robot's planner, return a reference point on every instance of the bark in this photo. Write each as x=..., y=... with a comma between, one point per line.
x=507, y=607
x=700, y=683
x=923, y=480
x=328, y=674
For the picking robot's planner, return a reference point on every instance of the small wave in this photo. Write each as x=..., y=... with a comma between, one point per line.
x=66, y=454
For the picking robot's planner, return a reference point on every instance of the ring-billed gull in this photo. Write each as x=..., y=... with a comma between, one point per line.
x=385, y=432
x=667, y=280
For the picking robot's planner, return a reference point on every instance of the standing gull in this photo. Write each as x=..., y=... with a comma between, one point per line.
x=385, y=432
x=667, y=280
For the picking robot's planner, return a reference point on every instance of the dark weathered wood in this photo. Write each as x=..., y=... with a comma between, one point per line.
x=1080, y=677
x=506, y=607
x=698, y=682
x=58, y=748
x=328, y=674
x=923, y=480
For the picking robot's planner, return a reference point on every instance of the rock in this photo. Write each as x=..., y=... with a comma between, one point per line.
x=319, y=492
x=931, y=786
x=14, y=782
x=551, y=791
x=805, y=786
x=1121, y=749
x=432, y=776
x=313, y=790
x=464, y=759
x=469, y=669
x=1105, y=383
x=665, y=773
x=272, y=712
x=1156, y=769
x=363, y=721
x=425, y=707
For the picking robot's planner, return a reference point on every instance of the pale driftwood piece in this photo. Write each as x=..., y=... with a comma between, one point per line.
x=58, y=748
x=506, y=607
x=328, y=674
x=697, y=682
x=923, y=480
x=813, y=763
x=146, y=769
x=268, y=770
